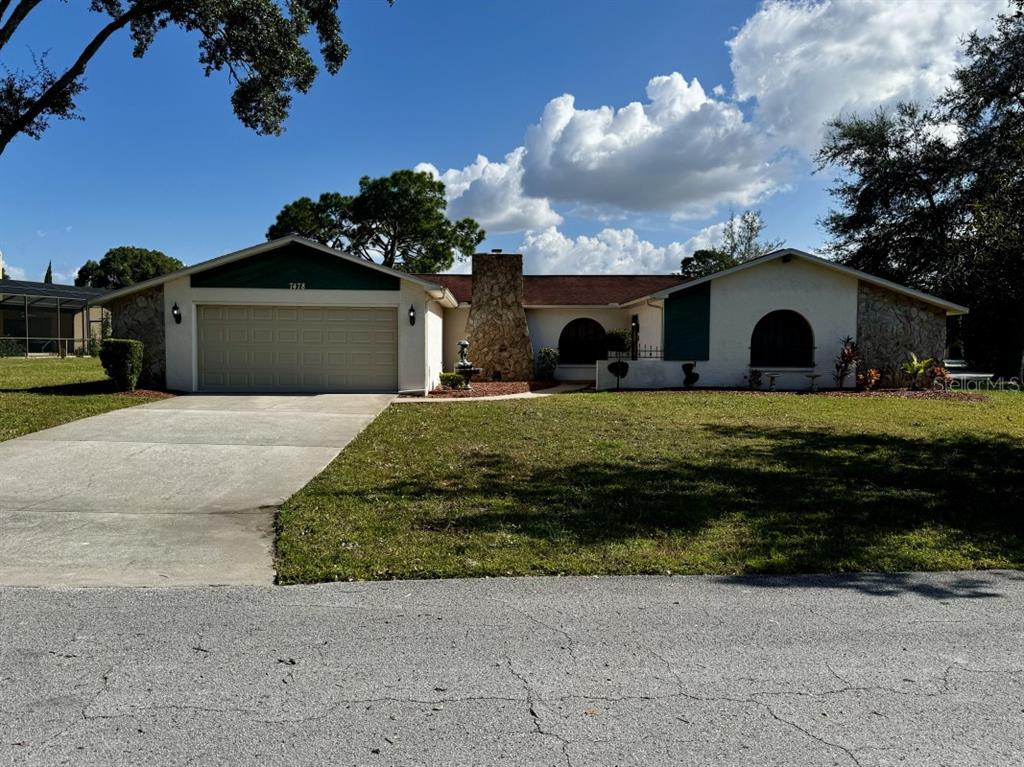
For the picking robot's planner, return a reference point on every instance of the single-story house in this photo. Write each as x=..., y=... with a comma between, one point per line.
x=293, y=315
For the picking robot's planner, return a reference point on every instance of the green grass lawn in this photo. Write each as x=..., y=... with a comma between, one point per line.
x=680, y=483
x=43, y=392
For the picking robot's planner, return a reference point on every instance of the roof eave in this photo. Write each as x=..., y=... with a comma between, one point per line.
x=951, y=309
x=254, y=250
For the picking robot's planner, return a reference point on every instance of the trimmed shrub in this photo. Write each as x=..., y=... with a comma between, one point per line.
x=122, y=361
x=453, y=381
x=619, y=340
x=619, y=369
x=690, y=375
x=547, y=361
x=10, y=347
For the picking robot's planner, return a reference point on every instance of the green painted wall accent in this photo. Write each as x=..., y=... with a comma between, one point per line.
x=295, y=264
x=688, y=323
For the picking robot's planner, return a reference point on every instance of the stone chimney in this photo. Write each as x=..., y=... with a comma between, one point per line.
x=499, y=338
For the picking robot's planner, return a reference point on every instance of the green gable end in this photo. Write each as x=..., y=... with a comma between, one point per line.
x=294, y=265
x=688, y=324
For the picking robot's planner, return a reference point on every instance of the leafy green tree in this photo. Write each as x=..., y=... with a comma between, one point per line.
x=934, y=197
x=258, y=43
x=48, y=277
x=398, y=221
x=706, y=261
x=898, y=194
x=124, y=266
x=741, y=241
x=328, y=220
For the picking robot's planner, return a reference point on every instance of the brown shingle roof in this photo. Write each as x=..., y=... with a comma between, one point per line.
x=569, y=289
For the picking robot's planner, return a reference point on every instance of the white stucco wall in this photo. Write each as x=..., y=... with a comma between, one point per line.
x=454, y=331
x=416, y=368
x=825, y=298
x=651, y=318
x=434, y=322
x=546, y=326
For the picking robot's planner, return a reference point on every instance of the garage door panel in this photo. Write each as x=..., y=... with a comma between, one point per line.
x=272, y=348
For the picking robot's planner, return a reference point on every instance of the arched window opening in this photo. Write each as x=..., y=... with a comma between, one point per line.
x=582, y=342
x=782, y=339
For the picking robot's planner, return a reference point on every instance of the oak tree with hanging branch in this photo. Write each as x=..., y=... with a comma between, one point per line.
x=258, y=43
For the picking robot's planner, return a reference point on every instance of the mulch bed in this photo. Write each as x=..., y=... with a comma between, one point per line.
x=153, y=393
x=911, y=394
x=885, y=393
x=492, y=389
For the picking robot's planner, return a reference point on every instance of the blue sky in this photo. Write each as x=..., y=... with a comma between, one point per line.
x=594, y=185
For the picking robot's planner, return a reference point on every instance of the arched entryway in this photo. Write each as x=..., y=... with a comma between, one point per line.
x=582, y=342
x=782, y=339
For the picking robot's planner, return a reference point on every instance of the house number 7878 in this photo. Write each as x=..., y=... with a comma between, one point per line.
x=297, y=285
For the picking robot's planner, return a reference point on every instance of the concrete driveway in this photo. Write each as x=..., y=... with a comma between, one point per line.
x=178, y=492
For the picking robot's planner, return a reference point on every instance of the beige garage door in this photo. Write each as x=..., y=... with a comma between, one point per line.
x=297, y=348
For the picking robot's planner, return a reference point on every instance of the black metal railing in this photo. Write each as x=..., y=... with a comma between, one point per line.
x=639, y=352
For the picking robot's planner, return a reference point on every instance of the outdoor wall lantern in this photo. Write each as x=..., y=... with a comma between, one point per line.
x=176, y=313
x=412, y=315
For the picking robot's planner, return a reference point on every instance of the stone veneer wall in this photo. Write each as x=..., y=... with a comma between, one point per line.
x=890, y=326
x=141, y=316
x=499, y=338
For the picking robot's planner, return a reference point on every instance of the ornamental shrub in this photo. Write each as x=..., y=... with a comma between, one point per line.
x=453, y=381
x=547, y=361
x=690, y=375
x=619, y=340
x=10, y=347
x=619, y=369
x=122, y=361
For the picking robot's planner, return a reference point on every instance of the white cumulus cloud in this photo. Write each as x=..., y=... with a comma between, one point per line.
x=614, y=251
x=492, y=193
x=681, y=152
x=802, y=63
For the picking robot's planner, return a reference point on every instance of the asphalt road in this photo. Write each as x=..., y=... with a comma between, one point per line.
x=856, y=670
